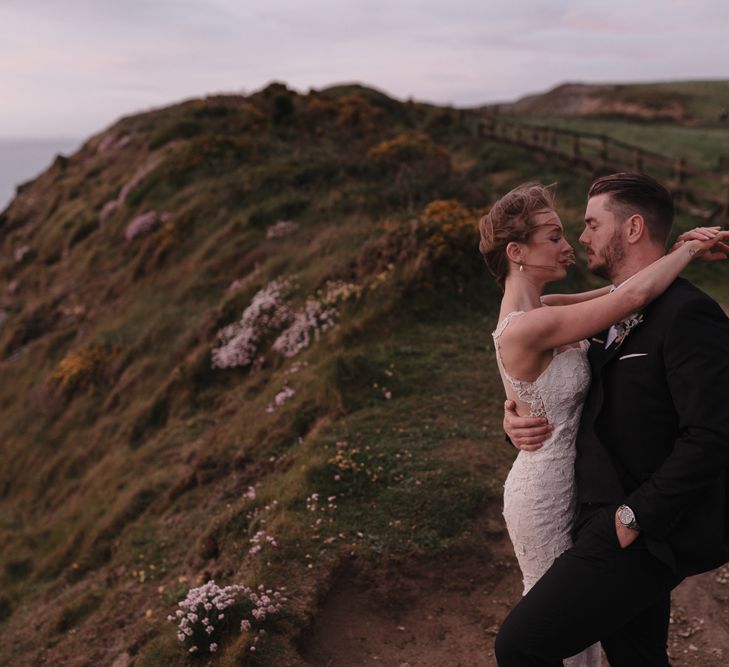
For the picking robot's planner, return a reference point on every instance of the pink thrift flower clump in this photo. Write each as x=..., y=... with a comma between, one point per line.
x=313, y=504
x=307, y=326
x=142, y=224
x=239, y=342
x=281, y=228
x=317, y=316
x=139, y=175
x=259, y=540
x=199, y=615
x=264, y=603
x=279, y=399
x=112, y=143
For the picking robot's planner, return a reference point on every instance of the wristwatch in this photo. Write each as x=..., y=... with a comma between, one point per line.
x=626, y=516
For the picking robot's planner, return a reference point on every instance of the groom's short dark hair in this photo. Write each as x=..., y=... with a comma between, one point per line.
x=638, y=193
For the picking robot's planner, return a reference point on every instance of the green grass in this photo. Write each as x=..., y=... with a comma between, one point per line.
x=702, y=147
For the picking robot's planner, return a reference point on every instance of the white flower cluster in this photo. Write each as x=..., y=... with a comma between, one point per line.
x=281, y=228
x=313, y=505
x=203, y=607
x=239, y=342
x=259, y=540
x=307, y=326
x=200, y=611
x=264, y=603
x=268, y=313
x=111, y=143
x=260, y=513
x=111, y=206
x=296, y=367
x=21, y=253
x=317, y=316
x=145, y=223
x=279, y=399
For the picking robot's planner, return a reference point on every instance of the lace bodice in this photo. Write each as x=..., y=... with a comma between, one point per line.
x=559, y=388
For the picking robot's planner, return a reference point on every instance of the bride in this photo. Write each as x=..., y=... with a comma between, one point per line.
x=541, y=355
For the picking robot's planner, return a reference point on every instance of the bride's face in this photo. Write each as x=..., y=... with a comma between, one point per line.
x=548, y=252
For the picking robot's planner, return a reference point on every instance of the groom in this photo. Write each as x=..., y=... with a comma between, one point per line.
x=652, y=455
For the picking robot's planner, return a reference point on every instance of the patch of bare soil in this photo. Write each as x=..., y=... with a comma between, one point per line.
x=418, y=612
x=447, y=613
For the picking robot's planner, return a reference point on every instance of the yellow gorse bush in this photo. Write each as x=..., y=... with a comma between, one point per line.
x=83, y=367
x=449, y=223
x=405, y=147
x=355, y=112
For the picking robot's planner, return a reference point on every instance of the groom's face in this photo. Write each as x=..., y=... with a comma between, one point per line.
x=602, y=238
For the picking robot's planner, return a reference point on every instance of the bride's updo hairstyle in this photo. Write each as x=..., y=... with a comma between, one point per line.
x=511, y=218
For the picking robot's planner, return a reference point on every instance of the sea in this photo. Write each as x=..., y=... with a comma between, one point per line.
x=23, y=159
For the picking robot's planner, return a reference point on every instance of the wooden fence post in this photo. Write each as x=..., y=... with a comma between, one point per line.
x=679, y=177
x=638, y=160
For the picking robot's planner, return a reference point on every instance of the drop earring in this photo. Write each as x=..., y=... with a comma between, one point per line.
x=521, y=267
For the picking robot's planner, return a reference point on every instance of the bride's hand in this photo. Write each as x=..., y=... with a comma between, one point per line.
x=720, y=248
x=711, y=249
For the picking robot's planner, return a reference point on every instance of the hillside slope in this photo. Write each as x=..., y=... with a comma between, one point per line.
x=247, y=339
x=682, y=102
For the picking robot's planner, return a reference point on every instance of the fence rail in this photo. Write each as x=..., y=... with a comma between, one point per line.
x=700, y=192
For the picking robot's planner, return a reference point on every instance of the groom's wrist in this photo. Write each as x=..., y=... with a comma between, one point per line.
x=627, y=518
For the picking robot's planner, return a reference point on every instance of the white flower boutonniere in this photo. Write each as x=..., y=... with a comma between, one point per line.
x=624, y=327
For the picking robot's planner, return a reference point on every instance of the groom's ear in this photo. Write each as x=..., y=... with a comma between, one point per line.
x=635, y=228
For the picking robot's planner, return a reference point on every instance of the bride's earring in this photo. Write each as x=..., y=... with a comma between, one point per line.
x=521, y=268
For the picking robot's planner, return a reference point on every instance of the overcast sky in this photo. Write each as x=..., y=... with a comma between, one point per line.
x=69, y=68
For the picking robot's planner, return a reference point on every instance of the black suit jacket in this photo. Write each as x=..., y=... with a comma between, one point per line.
x=654, y=432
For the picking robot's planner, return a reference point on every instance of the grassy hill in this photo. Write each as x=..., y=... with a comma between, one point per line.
x=247, y=339
x=678, y=118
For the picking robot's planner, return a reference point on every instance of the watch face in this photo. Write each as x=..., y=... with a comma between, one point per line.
x=626, y=515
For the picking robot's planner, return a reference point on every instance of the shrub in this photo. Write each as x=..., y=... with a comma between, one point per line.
x=84, y=367
x=410, y=147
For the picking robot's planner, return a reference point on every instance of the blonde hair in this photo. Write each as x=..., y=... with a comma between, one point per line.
x=511, y=218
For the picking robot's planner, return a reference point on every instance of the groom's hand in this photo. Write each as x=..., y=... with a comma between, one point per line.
x=626, y=536
x=525, y=433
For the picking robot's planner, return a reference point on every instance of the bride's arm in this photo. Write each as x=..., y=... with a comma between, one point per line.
x=548, y=328
x=698, y=233
x=579, y=297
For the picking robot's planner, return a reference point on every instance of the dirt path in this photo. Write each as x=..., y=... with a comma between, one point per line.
x=445, y=614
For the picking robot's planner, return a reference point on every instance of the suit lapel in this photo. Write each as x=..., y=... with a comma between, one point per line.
x=610, y=353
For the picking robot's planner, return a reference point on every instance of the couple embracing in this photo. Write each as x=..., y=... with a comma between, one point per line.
x=618, y=401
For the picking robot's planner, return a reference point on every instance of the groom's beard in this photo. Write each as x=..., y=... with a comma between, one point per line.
x=611, y=257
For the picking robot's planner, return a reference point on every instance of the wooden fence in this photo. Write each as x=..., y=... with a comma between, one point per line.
x=700, y=192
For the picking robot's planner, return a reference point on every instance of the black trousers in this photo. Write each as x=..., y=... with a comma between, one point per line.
x=595, y=591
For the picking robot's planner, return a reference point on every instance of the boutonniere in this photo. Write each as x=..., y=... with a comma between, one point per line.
x=624, y=327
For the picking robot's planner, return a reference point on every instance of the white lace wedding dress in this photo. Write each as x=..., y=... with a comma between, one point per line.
x=539, y=493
